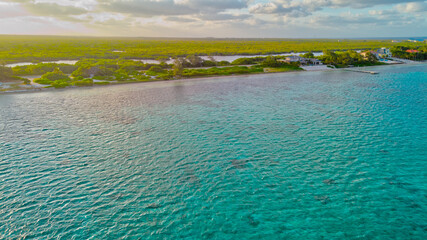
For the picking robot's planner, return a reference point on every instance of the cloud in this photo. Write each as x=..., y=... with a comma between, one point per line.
x=350, y=20
x=277, y=9
x=365, y=3
x=147, y=8
x=53, y=9
x=412, y=7
x=302, y=8
x=215, y=17
x=213, y=4
x=223, y=17
x=10, y=10
x=47, y=8
x=375, y=18
x=180, y=19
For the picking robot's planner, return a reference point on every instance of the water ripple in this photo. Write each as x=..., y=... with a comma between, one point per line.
x=331, y=155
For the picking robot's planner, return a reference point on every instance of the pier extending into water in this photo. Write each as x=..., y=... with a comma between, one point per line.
x=361, y=71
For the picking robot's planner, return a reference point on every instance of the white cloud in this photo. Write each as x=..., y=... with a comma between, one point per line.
x=301, y=8
x=412, y=7
x=11, y=10
x=169, y=7
x=221, y=17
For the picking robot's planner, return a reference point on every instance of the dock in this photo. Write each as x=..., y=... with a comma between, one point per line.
x=361, y=71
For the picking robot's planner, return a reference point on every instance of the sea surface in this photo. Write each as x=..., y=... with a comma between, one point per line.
x=310, y=155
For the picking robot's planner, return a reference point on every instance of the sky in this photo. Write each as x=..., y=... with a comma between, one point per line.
x=216, y=18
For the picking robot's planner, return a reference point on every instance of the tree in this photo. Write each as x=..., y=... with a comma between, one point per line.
x=308, y=55
x=210, y=63
x=243, y=61
x=329, y=57
x=195, y=61
x=56, y=76
x=212, y=59
x=271, y=62
x=178, y=67
x=371, y=57
x=6, y=73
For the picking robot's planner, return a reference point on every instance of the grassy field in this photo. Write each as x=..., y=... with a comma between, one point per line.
x=44, y=48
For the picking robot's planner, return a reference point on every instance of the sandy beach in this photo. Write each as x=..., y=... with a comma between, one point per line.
x=34, y=87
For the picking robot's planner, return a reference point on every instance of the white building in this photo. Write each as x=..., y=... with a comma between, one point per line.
x=314, y=61
x=365, y=54
x=384, y=53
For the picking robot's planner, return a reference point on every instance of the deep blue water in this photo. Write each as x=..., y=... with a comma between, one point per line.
x=313, y=155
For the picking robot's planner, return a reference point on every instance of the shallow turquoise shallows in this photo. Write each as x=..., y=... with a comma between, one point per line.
x=311, y=155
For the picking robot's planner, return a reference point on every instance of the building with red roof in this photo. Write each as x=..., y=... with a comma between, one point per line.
x=412, y=51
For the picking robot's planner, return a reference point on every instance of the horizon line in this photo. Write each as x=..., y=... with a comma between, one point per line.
x=214, y=38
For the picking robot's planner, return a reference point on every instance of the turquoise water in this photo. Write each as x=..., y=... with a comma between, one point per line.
x=314, y=155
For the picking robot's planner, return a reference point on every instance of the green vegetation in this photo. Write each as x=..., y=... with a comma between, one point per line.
x=103, y=61
x=272, y=62
x=308, y=55
x=120, y=69
x=178, y=67
x=345, y=59
x=105, y=71
x=269, y=61
x=56, y=74
x=420, y=53
x=224, y=71
x=42, y=68
x=83, y=82
x=6, y=74
x=46, y=48
x=248, y=61
x=56, y=79
x=277, y=70
x=259, y=65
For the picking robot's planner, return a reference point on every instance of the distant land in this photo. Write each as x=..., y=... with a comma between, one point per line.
x=32, y=48
x=40, y=62
x=417, y=38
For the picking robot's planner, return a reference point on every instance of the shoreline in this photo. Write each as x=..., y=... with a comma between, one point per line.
x=29, y=62
x=34, y=90
x=52, y=89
